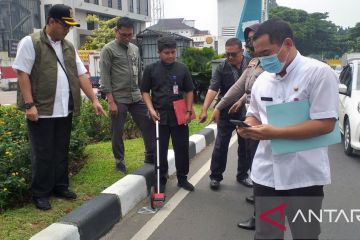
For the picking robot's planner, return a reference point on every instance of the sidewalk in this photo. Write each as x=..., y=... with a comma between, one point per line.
x=97, y=216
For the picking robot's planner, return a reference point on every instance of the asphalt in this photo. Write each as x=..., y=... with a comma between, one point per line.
x=97, y=216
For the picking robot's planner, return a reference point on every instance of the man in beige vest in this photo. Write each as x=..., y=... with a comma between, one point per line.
x=50, y=76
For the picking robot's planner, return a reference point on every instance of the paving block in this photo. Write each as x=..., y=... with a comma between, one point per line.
x=148, y=172
x=95, y=217
x=199, y=141
x=131, y=190
x=58, y=231
x=209, y=135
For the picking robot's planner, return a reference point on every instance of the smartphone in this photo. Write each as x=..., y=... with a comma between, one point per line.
x=239, y=123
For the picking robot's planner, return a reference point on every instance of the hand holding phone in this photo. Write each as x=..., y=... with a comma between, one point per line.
x=239, y=123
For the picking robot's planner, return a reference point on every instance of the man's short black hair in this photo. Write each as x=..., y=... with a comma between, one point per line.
x=277, y=30
x=125, y=22
x=166, y=42
x=232, y=42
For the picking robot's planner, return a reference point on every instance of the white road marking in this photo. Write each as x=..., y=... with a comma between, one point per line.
x=150, y=227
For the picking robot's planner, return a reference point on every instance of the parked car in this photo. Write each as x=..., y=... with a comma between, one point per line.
x=349, y=106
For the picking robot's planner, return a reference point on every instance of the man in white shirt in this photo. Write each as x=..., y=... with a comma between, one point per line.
x=288, y=77
x=50, y=75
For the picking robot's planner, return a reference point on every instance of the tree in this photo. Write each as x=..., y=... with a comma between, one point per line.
x=312, y=32
x=100, y=36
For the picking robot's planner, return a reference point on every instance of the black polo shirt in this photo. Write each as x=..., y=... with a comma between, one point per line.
x=159, y=80
x=225, y=76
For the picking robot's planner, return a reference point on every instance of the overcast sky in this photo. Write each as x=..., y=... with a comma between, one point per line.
x=344, y=13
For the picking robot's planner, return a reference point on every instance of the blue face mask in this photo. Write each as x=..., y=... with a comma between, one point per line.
x=272, y=64
x=246, y=53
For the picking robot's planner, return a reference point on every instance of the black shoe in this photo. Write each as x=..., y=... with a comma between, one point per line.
x=66, y=194
x=42, y=203
x=214, y=184
x=250, y=199
x=246, y=182
x=248, y=224
x=186, y=185
x=149, y=161
x=120, y=167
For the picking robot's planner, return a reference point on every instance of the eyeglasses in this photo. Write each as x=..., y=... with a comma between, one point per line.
x=63, y=24
x=127, y=35
x=232, y=54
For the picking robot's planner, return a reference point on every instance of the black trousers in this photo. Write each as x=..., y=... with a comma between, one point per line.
x=304, y=199
x=220, y=151
x=142, y=119
x=49, y=140
x=180, y=140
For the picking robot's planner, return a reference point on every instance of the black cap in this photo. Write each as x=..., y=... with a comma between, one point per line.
x=253, y=27
x=63, y=13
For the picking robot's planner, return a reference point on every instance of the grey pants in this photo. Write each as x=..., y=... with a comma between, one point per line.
x=142, y=119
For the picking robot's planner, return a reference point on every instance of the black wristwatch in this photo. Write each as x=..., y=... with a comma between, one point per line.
x=29, y=105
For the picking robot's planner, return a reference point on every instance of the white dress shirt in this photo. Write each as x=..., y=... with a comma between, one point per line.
x=309, y=79
x=24, y=61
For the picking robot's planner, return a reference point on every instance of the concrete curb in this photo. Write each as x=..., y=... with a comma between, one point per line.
x=96, y=217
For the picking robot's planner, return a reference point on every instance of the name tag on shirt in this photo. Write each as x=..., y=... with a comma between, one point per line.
x=267, y=99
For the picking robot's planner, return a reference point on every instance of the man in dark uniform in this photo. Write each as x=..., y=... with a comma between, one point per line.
x=226, y=74
x=164, y=82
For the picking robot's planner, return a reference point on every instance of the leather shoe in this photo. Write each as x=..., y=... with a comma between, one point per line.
x=186, y=185
x=149, y=161
x=250, y=199
x=66, y=194
x=120, y=167
x=246, y=182
x=214, y=184
x=248, y=224
x=42, y=203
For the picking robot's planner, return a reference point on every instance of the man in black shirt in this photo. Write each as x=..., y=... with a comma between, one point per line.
x=225, y=75
x=168, y=81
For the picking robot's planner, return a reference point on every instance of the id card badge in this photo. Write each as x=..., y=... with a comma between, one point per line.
x=135, y=70
x=176, y=89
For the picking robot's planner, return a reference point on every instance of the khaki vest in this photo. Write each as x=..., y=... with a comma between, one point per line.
x=43, y=76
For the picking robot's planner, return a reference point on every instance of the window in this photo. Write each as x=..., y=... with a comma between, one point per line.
x=146, y=8
x=131, y=5
x=90, y=25
x=346, y=78
x=96, y=2
x=138, y=6
x=47, y=8
x=119, y=4
x=87, y=1
x=110, y=3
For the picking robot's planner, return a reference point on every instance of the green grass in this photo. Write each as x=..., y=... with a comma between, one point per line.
x=96, y=175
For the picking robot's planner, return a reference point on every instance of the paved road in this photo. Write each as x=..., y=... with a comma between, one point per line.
x=205, y=214
x=7, y=97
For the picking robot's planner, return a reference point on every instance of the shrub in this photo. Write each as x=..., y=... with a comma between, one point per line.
x=98, y=127
x=14, y=156
x=15, y=164
x=15, y=175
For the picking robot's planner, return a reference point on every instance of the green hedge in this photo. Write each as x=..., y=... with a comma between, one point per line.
x=15, y=172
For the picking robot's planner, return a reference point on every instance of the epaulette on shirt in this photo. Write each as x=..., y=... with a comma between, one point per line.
x=253, y=62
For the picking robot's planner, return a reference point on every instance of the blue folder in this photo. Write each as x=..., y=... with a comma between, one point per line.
x=292, y=113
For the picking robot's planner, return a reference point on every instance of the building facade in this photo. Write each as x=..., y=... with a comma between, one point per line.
x=138, y=10
x=235, y=15
x=18, y=18
x=229, y=13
